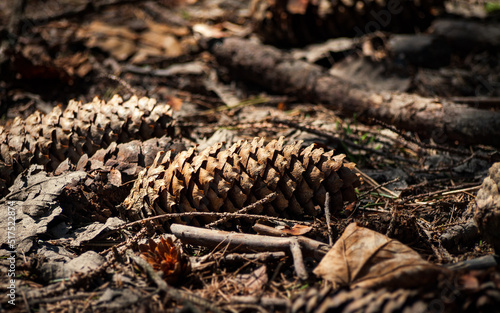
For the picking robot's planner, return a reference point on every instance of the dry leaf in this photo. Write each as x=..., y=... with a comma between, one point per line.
x=297, y=230
x=365, y=258
x=255, y=280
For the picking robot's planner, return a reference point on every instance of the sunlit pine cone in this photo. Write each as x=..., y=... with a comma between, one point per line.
x=217, y=180
x=80, y=128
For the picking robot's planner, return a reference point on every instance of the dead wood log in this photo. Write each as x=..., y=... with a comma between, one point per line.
x=279, y=72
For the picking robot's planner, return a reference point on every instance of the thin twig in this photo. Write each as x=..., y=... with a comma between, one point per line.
x=209, y=214
x=298, y=260
x=122, y=82
x=328, y=218
x=262, y=301
x=441, y=253
x=376, y=185
x=447, y=191
x=446, y=168
x=381, y=186
x=270, y=197
x=430, y=146
x=336, y=139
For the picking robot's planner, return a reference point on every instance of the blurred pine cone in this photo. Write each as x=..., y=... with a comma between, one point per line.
x=477, y=291
x=487, y=214
x=217, y=180
x=167, y=257
x=299, y=22
x=80, y=128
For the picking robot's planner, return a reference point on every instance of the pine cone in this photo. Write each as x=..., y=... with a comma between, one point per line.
x=366, y=300
x=167, y=257
x=217, y=180
x=470, y=291
x=293, y=22
x=80, y=128
x=487, y=214
x=109, y=172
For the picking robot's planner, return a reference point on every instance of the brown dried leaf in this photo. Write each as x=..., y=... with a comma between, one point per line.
x=297, y=230
x=365, y=258
x=255, y=280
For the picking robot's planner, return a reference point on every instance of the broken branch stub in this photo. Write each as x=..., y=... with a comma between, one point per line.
x=81, y=128
x=217, y=180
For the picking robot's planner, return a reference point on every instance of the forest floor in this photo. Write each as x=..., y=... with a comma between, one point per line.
x=418, y=189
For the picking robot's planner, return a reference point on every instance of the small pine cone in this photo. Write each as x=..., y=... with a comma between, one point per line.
x=487, y=214
x=167, y=257
x=217, y=180
x=80, y=128
x=292, y=22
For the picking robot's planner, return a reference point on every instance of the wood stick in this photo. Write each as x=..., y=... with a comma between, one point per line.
x=310, y=245
x=298, y=260
x=248, y=242
x=244, y=242
x=328, y=218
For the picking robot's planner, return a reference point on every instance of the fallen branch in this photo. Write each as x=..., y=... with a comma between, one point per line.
x=246, y=242
x=278, y=71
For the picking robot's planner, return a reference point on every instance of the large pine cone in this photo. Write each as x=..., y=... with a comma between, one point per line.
x=296, y=22
x=217, y=180
x=79, y=129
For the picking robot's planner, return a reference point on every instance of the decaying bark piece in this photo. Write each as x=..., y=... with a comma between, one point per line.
x=293, y=22
x=487, y=215
x=33, y=203
x=279, y=72
x=217, y=180
x=80, y=128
